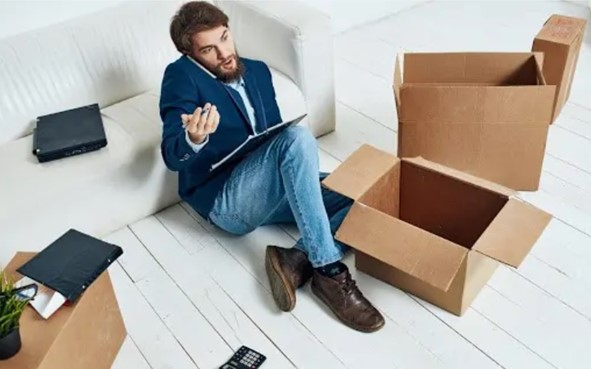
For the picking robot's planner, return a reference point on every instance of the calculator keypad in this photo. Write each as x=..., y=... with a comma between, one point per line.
x=251, y=359
x=245, y=358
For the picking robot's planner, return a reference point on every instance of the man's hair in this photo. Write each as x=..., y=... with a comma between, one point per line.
x=193, y=17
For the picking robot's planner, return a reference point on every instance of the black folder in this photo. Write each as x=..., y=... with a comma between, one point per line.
x=71, y=263
x=67, y=133
x=254, y=141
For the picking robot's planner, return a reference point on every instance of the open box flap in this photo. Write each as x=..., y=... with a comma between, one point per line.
x=462, y=176
x=540, y=66
x=512, y=233
x=397, y=82
x=412, y=250
x=360, y=171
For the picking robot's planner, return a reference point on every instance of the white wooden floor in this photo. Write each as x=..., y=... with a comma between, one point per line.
x=191, y=294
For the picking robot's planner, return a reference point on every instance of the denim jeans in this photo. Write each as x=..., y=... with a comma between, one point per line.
x=279, y=182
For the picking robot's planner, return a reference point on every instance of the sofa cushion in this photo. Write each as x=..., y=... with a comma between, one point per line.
x=289, y=97
x=103, y=57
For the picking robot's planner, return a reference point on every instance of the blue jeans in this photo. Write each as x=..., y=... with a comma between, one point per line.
x=279, y=182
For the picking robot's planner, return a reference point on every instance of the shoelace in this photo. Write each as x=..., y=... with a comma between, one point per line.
x=349, y=285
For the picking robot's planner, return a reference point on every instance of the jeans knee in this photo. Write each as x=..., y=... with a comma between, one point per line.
x=231, y=223
x=299, y=136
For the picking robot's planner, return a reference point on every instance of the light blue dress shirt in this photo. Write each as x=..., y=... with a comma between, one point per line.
x=237, y=85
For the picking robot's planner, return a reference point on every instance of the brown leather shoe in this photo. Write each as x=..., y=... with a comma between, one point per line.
x=287, y=270
x=341, y=295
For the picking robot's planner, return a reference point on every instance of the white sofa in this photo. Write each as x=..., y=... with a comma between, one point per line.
x=116, y=57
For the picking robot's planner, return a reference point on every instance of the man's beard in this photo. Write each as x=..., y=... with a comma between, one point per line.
x=234, y=75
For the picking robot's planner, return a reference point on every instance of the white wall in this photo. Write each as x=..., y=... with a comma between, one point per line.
x=24, y=15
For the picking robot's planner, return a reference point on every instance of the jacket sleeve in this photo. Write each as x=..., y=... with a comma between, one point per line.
x=179, y=95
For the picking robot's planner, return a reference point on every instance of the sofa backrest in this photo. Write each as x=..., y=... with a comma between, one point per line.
x=104, y=57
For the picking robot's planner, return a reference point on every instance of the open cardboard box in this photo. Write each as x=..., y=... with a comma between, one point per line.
x=428, y=229
x=87, y=334
x=487, y=114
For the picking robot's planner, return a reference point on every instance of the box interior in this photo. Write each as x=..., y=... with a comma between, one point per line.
x=442, y=205
x=471, y=69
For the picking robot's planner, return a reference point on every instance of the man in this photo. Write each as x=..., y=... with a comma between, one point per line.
x=211, y=100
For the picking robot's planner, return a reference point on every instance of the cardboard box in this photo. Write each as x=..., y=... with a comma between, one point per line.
x=428, y=229
x=560, y=40
x=87, y=334
x=486, y=114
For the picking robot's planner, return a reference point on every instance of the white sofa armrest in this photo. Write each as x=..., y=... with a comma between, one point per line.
x=294, y=39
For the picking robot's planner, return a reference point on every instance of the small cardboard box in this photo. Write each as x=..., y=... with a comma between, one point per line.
x=87, y=334
x=560, y=40
x=486, y=114
x=428, y=229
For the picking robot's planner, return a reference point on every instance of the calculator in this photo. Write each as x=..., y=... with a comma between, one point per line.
x=245, y=358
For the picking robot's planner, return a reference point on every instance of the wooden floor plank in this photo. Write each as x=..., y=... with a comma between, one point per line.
x=490, y=338
x=130, y=357
x=253, y=319
x=577, y=177
x=560, y=347
x=150, y=334
x=366, y=93
x=198, y=337
x=353, y=130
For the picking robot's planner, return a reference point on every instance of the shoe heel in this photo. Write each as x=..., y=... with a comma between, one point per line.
x=283, y=299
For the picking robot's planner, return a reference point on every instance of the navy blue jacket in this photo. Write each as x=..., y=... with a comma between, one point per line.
x=185, y=87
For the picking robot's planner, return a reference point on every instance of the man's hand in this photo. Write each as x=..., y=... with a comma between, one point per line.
x=201, y=123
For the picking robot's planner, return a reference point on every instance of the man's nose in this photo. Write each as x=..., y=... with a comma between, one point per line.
x=224, y=53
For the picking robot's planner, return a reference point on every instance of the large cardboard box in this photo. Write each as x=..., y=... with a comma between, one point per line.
x=428, y=229
x=87, y=334
x=560, y=40
x=486, y=114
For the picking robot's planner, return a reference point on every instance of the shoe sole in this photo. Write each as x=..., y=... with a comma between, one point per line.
x=344, y=321
x=282, y=294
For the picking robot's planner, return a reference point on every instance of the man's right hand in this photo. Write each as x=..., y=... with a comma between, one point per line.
x=201, y=123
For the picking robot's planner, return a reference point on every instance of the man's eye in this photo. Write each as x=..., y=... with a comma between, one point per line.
x=206, y=50
x=225, y=38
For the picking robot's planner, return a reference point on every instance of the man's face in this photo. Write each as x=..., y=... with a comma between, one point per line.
x=215, y=50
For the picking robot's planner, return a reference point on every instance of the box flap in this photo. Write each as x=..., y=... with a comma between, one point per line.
x=397, y=83
x=462, y=176
x=477, y=104
x=513, y=232
x=561, y=29
x=360, y=171
x=539, y=67
x=412, y=250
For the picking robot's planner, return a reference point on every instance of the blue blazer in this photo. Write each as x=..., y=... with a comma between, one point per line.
x=185, y=86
